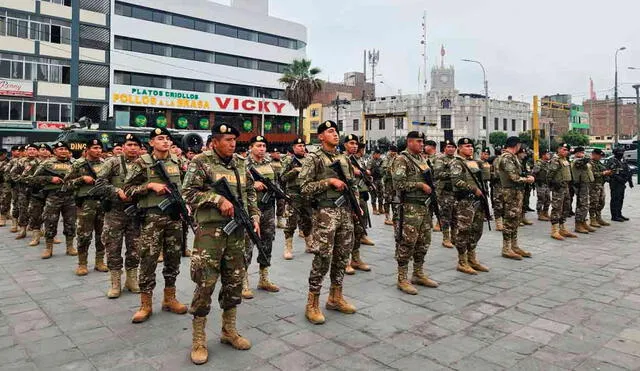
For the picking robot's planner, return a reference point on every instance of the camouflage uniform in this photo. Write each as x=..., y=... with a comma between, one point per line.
x=59, y=200
x=5, y=189
x=360, y=222
x=387, y=183
x=512, y=183
x=596, y=191
x=541, y=173
x=298, y=208
x=280, y=204
x=22, y=190
x=582, y=179
x=496, y=191
x=559, y=179
x=377, y=196
x=446, y=198
x=267, y=216
x=15, y=189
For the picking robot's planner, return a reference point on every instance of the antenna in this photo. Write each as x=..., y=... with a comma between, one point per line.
x=374, y=57
x=423, y=42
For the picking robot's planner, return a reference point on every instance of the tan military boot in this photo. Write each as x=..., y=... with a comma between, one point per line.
x=187, y=253
x=3, y=220
x=145, y=311
x=436, y=227
x=375, y=211
x=246, y=290
x=348, y=269
x=264, y=283
x=601, y=221
x=543, y=217
x=82, y=270
x=161, y=257
x=131, y=283
x=308, y=244
x=300, y=233
x=387, y=219
x=14, y=225
x=588, y=227
x=100, y=266
x=35, y=237
x=516, y=249
x=71, y=251
x=312, y=309
x=420, y=278
x=229, y=334
x=170, y=303
x=499, y=225
x=525, y=221
x=288, y=248
x=474, y=263
x=337, y=302
x=116, y=289
x=48, y=249
x=357, y=263
x=56, y=240
x=565, y=232
x=365, y=240
x=463, y=264
x=22, y=233
x=507, y=252
x=199, y=352
x=593, y=221
x=555, y=232
x=446, y=239
x=403, y=283
x=580, y=228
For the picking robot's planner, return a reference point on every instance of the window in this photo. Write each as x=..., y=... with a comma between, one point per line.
x=268, y=39
x=225, y=30
x=267, y=66
x=203, y=86
x=524, y=125
x=142, y=13
x=381, y=124
x=203, y=56
x=513, y=124
x=122, y=44
x=55, y=74
x=247, y=63
x=183, y=53
x=15, y=110
x=399, y=123
x=12, y=27
x=65, y=35
x=227, y=60
x=65, y=113
x=17, y=70
x=247, y=35
x=161, y=17
x=5, y=69
x=140, y=80
x=123, y=9
x=54, y=113
x=66, y=75
x=4, y=110
x=26, y=111
x=3, y=25
x=23, y=29
x=446, y=103
x=504, y=124
x=181, y=84
x=495, y=124
x=340, y=125
x=159, y=82
x=161, y=49
x=141, y=46
x=286, y=43
x=42, y=72
x=184, y=22
x=41, y=112
x=445, y=122
x=484, y=122
x=122, y=78
x=367, y=124
x=205, y=26
x=230, y=89
x=356, y=124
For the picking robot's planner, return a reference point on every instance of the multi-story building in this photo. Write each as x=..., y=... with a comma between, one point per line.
x=557, y=109
x=578, y=119
x=602, y=123
x=351, y=88
x=54, y=66
x=190, y=64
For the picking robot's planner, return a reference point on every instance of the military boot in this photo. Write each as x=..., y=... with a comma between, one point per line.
x=264, y=283
x=199, y=352
x=337, y=302
x=22, y=233
x=516, y=249
x=542, y=216
x=403, y=283
x=365, y=240
x=82, y=270
x=555, y=232
x=357, y=263
x=420, y=278
x=14, y=225
x=593, y=221
x=300, y=233
x=229, y=334
x=308, y=244
x=312, y=309
x=348, y=269
x=246, y=290
x=507, y=252
x=170, y=303
x=161, y=257
x=48, y=249
x=131, y=283
x=387, y=219
x=588, y=227
x=446, y=239
x=100, y=266
x=601, y=221
x=71, y=251
x=499, y=225
x=580, y=228
x=56, y=240
x=35, y=237
x=565, y=232
x=146, y=310
x=375, y=211
x=288, y=248
x=3, y=220
x=463, y=264
x=436, y=227
x=114, y=291
x=525, y=221
x=187, y=253
x=474, y=263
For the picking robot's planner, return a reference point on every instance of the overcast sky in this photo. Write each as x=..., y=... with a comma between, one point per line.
x=540, y=47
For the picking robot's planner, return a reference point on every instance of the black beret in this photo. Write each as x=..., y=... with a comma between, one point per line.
x=159, y=131
x=578, y=149
x=298, y=141
x=274, y=149
x=93, y=142
x=350, y=137
x=326, y=125
x=258, y=139
x=21, y=148
x=3, y=151
x=565, y=145
x=45, y=146
x=32, y=145
x=378, y=151
x=449, y=142
x=224, y=129
x=486, y=150
x=61, y=145
x=415, y=135
x=393, y=148
x=462, y=141
x=430, y=143
x=15, y=148
x=512, y=141
x=598, y=151
x=130, y=138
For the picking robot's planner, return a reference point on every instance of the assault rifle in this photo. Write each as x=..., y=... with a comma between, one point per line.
x=427, y=175
x=483, y=198
x=363, y=174
x=347, y=193
x=272, y=188
x=174, y=199
x=53, y=173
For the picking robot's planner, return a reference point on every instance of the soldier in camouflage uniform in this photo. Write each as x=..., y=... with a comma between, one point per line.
x=15, y=211
x=26, y=163
x=387, y=184
x=215, y=254
x=582, y=176
x=59, y=199
x=430, y=154
x=377, y=195
x=36, y=204
x=159, y=231
x=466, y=174
x=90, y=215
x=5, y=191
x=559, y=181
x=276, y=164
x=541, y=173
x=298, y=209
x=526, y=171
x=333, y=231
x=596, y=189
x=496, y=192
x=117, y=224
x=512, y=183
x=413, y=237
x=444, y=189
x=485, y=166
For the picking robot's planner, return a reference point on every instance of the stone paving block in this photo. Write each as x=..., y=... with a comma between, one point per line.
x=327, y=350
x=534, y=334
x=620, y=359
x=451, y=323
x=594, y=364
x=69, y=357
x=356, y=339
x=296, y=360
x=384, y=353
x=548, y=325
x=416, y=362
x=475, y=363
x=357, y=361
x=500, y=356
x=625, y=346
x=49, y=345
x=302, y=338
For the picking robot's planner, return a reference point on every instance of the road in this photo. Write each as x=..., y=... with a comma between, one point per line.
x=574, y=306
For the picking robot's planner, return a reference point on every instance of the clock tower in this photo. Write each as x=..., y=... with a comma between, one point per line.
x=442, y=78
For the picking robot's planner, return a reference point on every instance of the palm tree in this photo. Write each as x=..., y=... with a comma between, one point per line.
x=301, y=84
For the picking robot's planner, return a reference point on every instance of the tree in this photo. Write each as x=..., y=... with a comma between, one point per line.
x=301, y=84
x=525, y=138
x=498, y=138
x=575, y=138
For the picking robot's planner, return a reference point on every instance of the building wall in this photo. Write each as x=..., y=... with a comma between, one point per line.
x=601, y=116
x=350, y=89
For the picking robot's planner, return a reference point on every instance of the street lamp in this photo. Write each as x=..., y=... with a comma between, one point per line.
x=637, y=87
x=486, y=94
x=615, y=97
x=337, y=104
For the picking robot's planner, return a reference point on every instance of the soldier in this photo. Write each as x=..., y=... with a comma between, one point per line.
x=90, y=215
x=485, y=166
x=620, y=176
x=596, y=189
x=387, y=184
x=466, y=177
x=118, y=223
x=333, y=232
x=216, y=254
x=444, y=190
x=377, y=195
x=36, y=202
x=559, y=180
x=276, y=164
x=496, y=191
x=413, y=222
x=541, y=173
x=159, y=231
x=526, y=192
x=117, y=149
x=23, y=191
x=431, y=153
x=582, y=176
x=4, y=188
x=59, y=199
x=257, y=160
x=298, y=208
x=512, y=184
x=15, y=210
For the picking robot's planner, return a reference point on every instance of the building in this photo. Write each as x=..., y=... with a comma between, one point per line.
x=189, y=65
x=578, y=119
x=351, y=88
x=557, y=109
x=54, y=66
x=602, y=124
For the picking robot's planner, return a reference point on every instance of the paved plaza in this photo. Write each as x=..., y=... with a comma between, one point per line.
x=574, y=306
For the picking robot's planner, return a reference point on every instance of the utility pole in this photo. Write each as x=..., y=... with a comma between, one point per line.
x=374, y=57
x=536, y=129
x=637, y=87
x=615, y=98
x=364, y=99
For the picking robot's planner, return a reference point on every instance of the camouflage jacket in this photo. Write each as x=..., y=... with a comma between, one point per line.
x=375, y=167
x=442, y=172
x=598, y=168
x=406, y=175
x=74, y=179
x=386, y=167
x=40, y=178
x=314, y=183
x=510, y=171
x=290, y=174
x=461, y=178
x=541, y=172
x=112, y=173
x=15, y=173
x=30, y=169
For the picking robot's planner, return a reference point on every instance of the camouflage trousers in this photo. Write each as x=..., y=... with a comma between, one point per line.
x=526, y=198
x=117, y=225
x=596, y=198
x=58, y=203
x=415, y=234
x=36, y=206
x=5, y=199
x=332, y=243
x=388, y=196
x=159, y=233
x=496, y=200
x=560, y=203
x=468, y=222
x=280, y=207
x=15, y=208
x=582, y=202
x=216, y=255
x=377, y=196
x=24, y=197
x=90, y=218
x=299, y=216
x=512, y=201
x=267, y=235
x=446, y=201
x=544, y=197
x=359, y=225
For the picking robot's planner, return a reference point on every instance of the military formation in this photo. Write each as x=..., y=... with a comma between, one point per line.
x=144, y=198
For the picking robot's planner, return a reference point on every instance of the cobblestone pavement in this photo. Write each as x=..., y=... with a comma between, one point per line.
x=574, y=306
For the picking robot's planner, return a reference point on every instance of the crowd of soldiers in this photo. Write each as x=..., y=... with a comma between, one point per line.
x=146, y=198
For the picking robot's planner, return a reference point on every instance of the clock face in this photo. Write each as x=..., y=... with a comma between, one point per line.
x=444, y=78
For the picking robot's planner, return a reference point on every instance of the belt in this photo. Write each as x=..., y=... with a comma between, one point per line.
x=328, y=203
x=416, y=201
